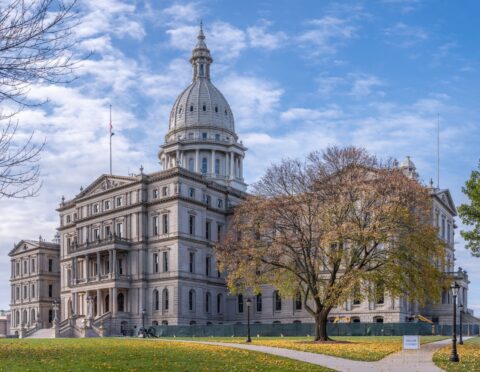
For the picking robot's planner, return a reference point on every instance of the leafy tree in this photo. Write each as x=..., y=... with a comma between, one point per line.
x=330, y=224
x=36, y=40
x=470, y=213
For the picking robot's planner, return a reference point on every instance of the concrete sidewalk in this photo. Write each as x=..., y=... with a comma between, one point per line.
x=402, y=361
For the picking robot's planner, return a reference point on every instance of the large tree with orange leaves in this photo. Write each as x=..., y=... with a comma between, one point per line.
x=327, y=225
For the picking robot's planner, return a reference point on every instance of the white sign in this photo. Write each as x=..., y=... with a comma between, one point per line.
x=411, y=342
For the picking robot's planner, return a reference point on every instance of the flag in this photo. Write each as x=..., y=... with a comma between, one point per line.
x=110, y=126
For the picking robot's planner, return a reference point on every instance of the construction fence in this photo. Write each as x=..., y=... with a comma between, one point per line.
x=305, y=329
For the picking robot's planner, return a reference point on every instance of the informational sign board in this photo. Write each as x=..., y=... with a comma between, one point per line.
x=411, y=342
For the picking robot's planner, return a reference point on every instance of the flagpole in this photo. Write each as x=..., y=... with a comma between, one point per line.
x=111, y=135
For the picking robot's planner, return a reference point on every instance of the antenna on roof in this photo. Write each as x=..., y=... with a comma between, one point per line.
x=438, y=150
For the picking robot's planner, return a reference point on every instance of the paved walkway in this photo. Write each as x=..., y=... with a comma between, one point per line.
x=403, y=361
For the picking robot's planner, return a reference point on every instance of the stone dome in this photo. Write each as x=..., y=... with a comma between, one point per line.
x=201, y=104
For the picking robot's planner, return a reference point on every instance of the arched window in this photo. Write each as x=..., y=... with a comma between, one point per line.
x=165, y=299
x=204, y=165
x=191, y=165
x=17, y=318
x=208, y=298
x=25, y=315
x=191, y=300
x=219, y=303
x=120, y=302
x=277, y=301
x=191, y=108
x=378, y=319
x=204, y=108
x=240, y=303
x=164, y=322
x=156, y=300
x=258, y=301
x=216, y=108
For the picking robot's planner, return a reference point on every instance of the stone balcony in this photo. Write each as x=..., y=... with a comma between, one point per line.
x=112, y=242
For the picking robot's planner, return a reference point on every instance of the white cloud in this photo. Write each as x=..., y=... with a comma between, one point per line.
x=364, y=84
x=404, y=35
x=308, y=115
x=259, y=37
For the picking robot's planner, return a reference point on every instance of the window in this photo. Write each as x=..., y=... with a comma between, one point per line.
x=443, y=228
x=17, y=268
x=17, y=293
x=204, y=107
x=108, y=231
x=191, y=262
x=380, y=292
x=165, y=191
x=191, y=108
x=217, y=167
x=190, y=136
x=50, y=290
x=165, y=223
x=219, y=303
x=191, y=225
x=258, y=300
x=240, y=303
x=165, y=299
x=298, y=301
x=68, y=219
x=25, y=268
x=208, y=261
x=357, y=295
x=208, y=298
x=226, y=112
x=107, y=205
x=204, y=165
x=155, y=193
x=219, y=231
x=191, y=300
x=95, y=208
x=448, y=232
x=33, y=265
x=204, y=135
x=191, y=192
x=207, y=230
x=33, y=290
x=50, y=265
x=180, y=110
x=165, y=261
x=118, y=201
x=191, y=164
x=50, y=315
x=120, y=229
x=277, y=300
x=25, y=291
x=216, y=108
x=120, y=266
x=96, y=234
x=156, y=300
x=155, y=263
x=217, y=137
x=207, y=199
x=220, y=203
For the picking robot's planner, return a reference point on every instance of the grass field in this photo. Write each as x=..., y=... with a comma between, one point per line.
x=117, y=354
x=469, y=354
x=366, y=348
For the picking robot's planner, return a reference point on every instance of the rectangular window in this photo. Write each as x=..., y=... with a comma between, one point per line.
x=17, y=293
x=119, y=230
x=217, y=137
x=298, y=302
x=217, y=167
x=165, y=223
x=25, y=269
x=155, y=263
x=219, y=203
x=155, y=193
x=219, y=231
x=33, y=290
x=107, y=205
x=17, y=268
x=259, y=303
x=108, y=232
x=165, y=191
x=96, y=234
x=118, y=201
x=95, y=208
x=50, y=290
x=165, y=262
x=191, y=225
x=120, y=266
x=24, y=291
x=204, y=135
x=208, y=263
x=33, y=265
x=443, y=228
x=207, y=199
x=448, y=232
x=50, y=265
x=155, y=225
x=207, y=230
x=191, y=262
x=191, y=192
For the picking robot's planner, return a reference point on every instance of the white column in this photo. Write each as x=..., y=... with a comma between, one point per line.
x=114, y=262
x=213, y=163
x=87, y=271
x=98, y=266
x=232, y=166
x=114, y=298
x=197, y=160
x=99, y=302
x=240, y=165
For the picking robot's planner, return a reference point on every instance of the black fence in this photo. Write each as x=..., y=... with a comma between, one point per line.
x=304, y=329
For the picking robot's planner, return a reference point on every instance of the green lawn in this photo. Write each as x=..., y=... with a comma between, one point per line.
x=118, y=354
x=366, y=348
x=469, y=355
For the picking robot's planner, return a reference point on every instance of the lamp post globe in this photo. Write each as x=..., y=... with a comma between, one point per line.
x=460, y=313
x=454, y=355
x=249, y=304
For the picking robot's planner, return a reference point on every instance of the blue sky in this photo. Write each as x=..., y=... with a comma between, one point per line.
x=299, y=76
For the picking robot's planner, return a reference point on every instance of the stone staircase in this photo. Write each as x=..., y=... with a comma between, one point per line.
x=43, y=333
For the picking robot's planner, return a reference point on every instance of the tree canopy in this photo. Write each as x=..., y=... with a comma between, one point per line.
x=324, y=227
x=470, y=213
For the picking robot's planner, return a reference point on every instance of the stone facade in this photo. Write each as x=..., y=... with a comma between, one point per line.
x=35, y=283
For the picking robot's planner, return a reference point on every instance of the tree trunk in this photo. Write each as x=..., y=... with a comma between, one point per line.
x=321, y=326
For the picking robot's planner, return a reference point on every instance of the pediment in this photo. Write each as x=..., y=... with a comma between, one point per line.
x=104, y=183
x=22, y=246
x=445, y=198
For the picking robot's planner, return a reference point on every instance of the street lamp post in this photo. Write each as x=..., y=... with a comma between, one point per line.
x=454, y=355
x=460, y=313
x=144, y=312
x=249, y=304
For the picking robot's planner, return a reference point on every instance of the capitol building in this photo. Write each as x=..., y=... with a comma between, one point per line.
x=136, y=250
